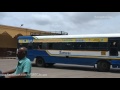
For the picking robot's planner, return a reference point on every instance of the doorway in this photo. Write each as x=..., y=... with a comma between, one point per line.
x=113, y=48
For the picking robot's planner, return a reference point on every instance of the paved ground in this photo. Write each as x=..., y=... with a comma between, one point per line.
x=62, y=71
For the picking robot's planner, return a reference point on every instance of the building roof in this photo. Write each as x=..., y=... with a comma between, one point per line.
x=13, y=31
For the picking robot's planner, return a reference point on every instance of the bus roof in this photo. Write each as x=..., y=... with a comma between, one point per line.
x=72, y=36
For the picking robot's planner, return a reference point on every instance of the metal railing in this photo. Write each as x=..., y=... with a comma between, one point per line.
x=48, y=33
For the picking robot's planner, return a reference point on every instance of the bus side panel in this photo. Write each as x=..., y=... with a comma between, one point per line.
x=115, y=63
x=57, y=59
x=64, y=60
x=34, y=53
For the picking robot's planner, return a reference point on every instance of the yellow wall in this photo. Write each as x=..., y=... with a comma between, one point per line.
x=9, y=34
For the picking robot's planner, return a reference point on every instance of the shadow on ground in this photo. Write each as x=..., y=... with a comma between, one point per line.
x=78, y=67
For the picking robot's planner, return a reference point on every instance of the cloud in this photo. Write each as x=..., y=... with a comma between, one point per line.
x=41, y=19
x=2, y=15
x=71, y=22
x=46, y=18
x=85, y=17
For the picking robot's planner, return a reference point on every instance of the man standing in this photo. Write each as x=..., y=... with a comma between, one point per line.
x=23, y=68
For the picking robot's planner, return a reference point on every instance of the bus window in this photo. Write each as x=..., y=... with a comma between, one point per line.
x=82, y=45
x=119, y=46
x=30, y=46
x=39, y=46
x=44, y=45
x=103, y=45
x=57, y=46
x=92, y=45
x=113, y=44
x=50, y=46
x=79, y=45
x=89, y=45
x=22, y=45
x=66, y=46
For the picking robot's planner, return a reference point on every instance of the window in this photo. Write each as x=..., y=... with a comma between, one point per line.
x=103, y=45
x=50, y=45
x=57, y=46
x=92, y=45
x=30, y=46
x=22, y=45
x=79, y=45
x=119, y=46
x=44, y=46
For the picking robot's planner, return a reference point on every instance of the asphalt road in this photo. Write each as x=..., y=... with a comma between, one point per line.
x=62, y=71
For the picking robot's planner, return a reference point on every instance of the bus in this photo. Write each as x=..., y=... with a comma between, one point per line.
x=99, y=50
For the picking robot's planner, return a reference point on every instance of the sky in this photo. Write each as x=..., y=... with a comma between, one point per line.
x=74, y=23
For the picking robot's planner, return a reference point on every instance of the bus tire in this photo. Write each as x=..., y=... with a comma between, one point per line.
x=40, y=62
x=103, y=66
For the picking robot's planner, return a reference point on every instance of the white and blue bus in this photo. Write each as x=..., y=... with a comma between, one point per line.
x=99, y=50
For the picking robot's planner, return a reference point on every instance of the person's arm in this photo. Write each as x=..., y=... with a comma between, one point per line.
x=22, y=75
x=9, y=72
x=26, y=70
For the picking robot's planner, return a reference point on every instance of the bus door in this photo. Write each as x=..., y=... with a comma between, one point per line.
x=113, y=48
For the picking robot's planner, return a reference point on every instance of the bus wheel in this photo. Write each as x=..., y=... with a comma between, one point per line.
x=103, y=66
x=40, y=62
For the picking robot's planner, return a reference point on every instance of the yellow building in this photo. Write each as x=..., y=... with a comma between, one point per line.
x=8, y=37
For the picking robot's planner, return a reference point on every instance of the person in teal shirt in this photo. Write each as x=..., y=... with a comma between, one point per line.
x=23, y=68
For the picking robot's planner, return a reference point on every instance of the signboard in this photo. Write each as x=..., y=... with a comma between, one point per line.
x=72, y=40
x=25, y=41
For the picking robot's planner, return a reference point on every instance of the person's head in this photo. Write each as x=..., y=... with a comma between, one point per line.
x=22, y=52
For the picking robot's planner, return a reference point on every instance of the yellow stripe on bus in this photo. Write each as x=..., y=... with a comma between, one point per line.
x=70, y=40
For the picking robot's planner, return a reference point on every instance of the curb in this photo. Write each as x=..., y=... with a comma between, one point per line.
x=7, y=57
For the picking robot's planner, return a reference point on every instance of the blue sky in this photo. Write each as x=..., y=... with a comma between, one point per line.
x=74, y=23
